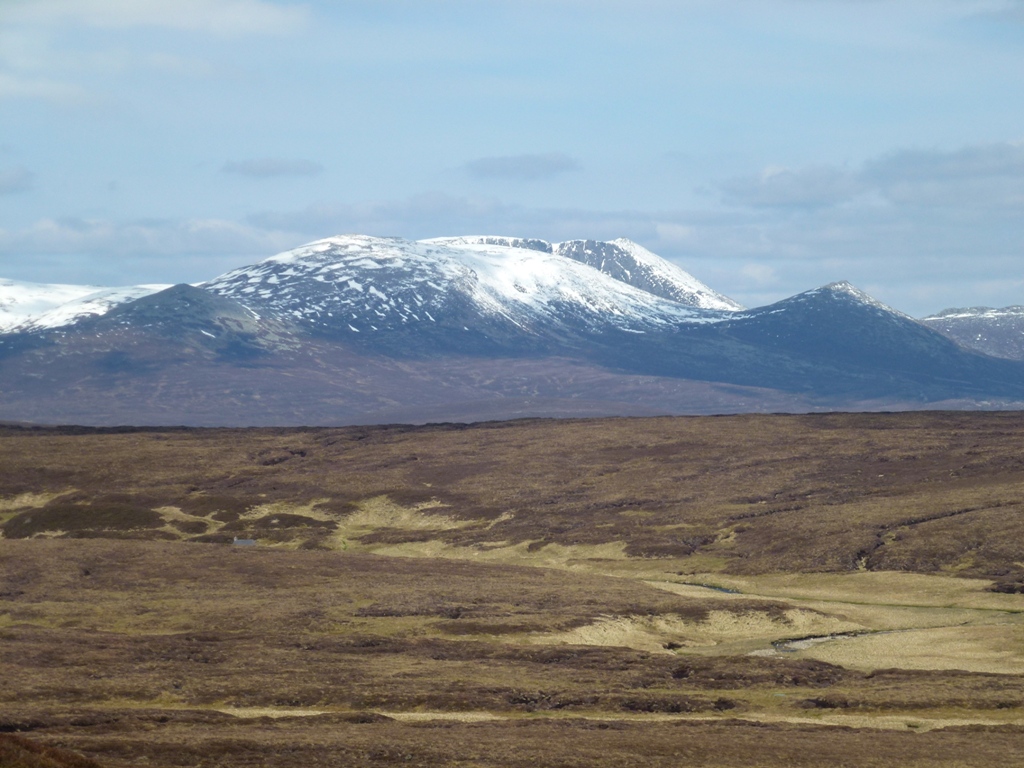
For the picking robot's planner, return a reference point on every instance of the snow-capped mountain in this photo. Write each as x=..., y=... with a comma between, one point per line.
x=623, y=260
x=20, y=301
x=28, y=306
x=996, y=332
x=98, y=302
x=362, y=329
x=463, y=293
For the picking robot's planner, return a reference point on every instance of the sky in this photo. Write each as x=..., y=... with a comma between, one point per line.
x=768, y=147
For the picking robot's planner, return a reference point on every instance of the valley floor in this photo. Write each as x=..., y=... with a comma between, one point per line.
x=391, y=611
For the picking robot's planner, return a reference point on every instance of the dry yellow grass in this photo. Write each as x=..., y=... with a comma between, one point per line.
x=917, y=621
x=12, y=505
x=723, y=631
x=990, y=648
x=584, y=557
x=274, y=712
x=873, y=588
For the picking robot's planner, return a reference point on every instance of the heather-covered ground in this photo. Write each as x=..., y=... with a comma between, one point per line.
x=727, y=591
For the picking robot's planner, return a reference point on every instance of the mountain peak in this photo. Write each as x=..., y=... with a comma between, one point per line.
x=621, y=259
x=531, y=244
x=845, y=290
x=633, y=264
x=470, y=294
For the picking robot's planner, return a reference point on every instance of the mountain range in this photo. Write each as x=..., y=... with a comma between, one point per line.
x=358, y=329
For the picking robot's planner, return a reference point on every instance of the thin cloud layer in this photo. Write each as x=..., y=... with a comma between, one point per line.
x=108, y=252
x=774, y=187
x=18, y=86
x=1009, y=11
x=522, y=167
x=986, y=175
x=269, y=167
x=14, y=180
x=753, y=255
x=223, y=17
x=974, y=162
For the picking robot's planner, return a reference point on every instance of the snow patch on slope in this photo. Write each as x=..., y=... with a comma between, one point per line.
x=620, y=259
x=639, y=267
x=843, y=287
x=981, y=313
x=97, y=303
x=368, y=283
x=21, y=301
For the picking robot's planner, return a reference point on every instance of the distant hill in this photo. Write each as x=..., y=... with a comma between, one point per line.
x=997, y=332
x=358, y=329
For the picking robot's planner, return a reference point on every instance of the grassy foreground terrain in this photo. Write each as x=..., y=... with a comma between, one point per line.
x=713, y=591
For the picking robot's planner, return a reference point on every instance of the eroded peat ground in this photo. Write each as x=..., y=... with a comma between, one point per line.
x=720, y=591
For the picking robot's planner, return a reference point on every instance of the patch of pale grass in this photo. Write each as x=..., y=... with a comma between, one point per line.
x=939, y=622
x=566, y=557
x=275, y=712
x=312, y=510
x=641, y=633
x=694, y=590
x=988, y=648
x=30, y=500
x=726, y=625
x=174, y=513
x=873, y=588
x=905, y=721
x=461, y=717
x=56, y=533
x=14, y=505
x=382, y=512
x=720, y=628
x=696, y=566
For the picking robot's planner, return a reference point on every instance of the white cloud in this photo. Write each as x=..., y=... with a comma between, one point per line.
x=776, y=187
x=929, y=230
x=222, y=17
x=983, y=161
x=14, y=86
x=424, y=215
x=130, y=252
x=268, y=167
x=982, y=175
x=147, y=236
x=1005, y=11
x=760, y=275
x=14, y=180
x=673, y=233
x=522, y=167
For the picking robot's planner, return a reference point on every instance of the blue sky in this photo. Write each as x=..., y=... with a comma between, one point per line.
x=768, y=147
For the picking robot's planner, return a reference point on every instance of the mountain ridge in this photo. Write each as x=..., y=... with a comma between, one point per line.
x=354, y=328
x=996, y=332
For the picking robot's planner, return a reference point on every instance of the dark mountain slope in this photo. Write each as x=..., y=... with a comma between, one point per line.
x=996, y=332
x=849, y=343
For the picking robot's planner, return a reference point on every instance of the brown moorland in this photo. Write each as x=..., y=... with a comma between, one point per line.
x=717, y=591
